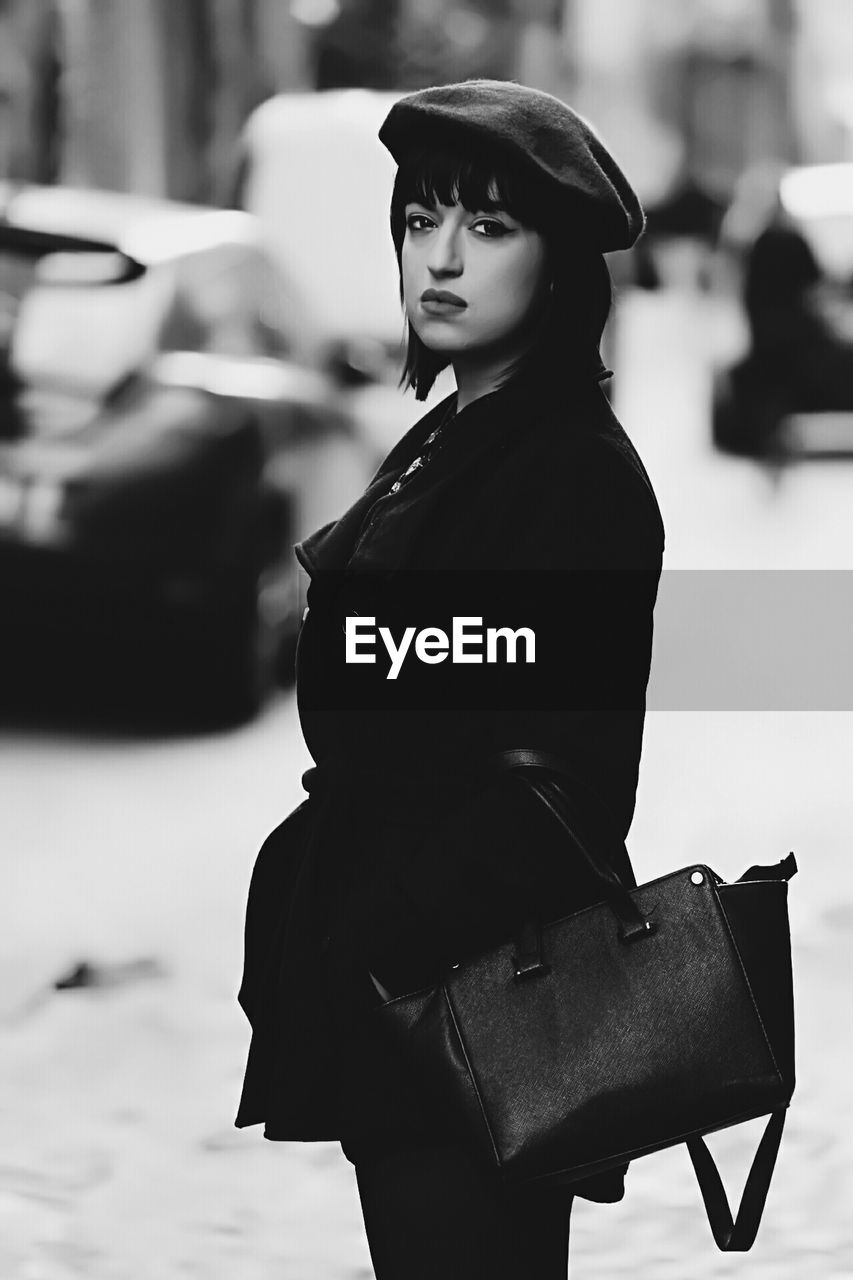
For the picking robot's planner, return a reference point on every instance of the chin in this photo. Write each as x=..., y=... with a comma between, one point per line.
x=436, y=340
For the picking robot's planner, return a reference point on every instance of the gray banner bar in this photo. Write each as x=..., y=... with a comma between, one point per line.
x=753, y=640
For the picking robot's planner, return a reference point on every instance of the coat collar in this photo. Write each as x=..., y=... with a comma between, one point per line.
x=483, y=428
x=330, y=547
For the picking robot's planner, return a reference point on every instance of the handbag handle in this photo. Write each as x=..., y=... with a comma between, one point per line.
x=529, y=960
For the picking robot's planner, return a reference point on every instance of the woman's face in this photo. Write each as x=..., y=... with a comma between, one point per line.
x=490, y=262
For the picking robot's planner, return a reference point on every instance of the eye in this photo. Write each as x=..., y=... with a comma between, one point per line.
x=493, y=230
x=414, y=218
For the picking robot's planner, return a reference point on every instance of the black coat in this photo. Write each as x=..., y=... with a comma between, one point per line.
x=404, y=857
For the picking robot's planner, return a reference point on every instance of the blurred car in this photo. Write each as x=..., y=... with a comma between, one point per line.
x=790, y=234
x=169, y=426
x=312, y=170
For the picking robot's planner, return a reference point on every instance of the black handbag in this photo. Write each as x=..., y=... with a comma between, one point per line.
x=656, y=1016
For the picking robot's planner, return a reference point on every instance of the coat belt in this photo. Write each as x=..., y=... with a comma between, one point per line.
x=413, y=790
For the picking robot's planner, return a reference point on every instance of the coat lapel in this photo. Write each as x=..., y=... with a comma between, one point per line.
x=331, y=546
x=477, y=436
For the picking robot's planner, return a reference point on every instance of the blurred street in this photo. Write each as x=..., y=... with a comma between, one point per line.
x=119, y=1157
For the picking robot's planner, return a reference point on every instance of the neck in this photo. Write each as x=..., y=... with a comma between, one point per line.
x=475, y=379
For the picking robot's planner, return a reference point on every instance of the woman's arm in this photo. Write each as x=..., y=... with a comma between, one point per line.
x=448, y=888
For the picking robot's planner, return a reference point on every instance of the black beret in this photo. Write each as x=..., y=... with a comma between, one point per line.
x=535, y=127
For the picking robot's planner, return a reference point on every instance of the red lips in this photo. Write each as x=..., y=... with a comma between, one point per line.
x=442, y=295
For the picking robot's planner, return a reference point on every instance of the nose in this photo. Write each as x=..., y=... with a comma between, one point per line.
x=445, y=258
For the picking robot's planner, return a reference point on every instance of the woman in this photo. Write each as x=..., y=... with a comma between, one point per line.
x=520, y=500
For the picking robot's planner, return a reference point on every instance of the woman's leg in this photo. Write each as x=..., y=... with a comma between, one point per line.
x=437, y=1213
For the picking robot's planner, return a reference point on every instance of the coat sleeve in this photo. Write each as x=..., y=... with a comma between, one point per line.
x=466, y=881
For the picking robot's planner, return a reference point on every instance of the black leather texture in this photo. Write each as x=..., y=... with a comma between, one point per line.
x=612, y=1048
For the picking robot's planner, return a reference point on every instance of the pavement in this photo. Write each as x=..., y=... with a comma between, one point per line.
x=118, y=1155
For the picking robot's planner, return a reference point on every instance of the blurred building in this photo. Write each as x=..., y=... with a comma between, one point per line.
x=409, y=44
x=822, y=85
x=693, y=93
x=139, y=95
x=155, y=92
x=29, y=90
x=439, y=40
x=150, y=95
x=357, y=46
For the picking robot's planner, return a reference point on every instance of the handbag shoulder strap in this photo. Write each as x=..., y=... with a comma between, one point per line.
x=738, y=1235
x=731, y=1235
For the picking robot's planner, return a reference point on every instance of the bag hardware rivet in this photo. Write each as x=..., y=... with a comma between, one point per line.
x=697, y=877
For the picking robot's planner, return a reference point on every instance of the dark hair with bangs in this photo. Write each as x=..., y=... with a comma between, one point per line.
x=568, y=334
